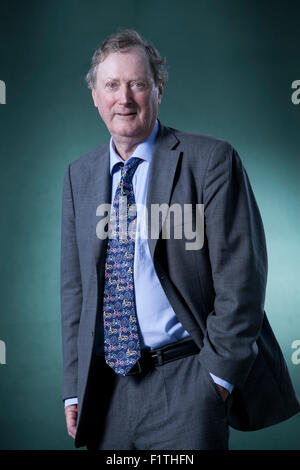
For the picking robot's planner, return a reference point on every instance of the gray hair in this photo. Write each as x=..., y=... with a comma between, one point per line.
x=123, y=41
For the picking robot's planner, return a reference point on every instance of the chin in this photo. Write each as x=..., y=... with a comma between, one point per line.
x=128, y=131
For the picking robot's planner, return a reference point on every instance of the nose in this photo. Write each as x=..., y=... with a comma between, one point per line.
x=125, y=95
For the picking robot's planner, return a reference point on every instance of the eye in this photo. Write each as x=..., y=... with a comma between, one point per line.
x=111, y=85
x=138, y=84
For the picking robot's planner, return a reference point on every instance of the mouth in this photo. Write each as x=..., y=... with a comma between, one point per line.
x=126, y=115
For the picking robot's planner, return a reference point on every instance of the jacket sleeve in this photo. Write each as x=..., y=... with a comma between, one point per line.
x=237, y=251
x=70, y=289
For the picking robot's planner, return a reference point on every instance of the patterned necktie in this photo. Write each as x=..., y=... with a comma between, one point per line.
x=121, y=337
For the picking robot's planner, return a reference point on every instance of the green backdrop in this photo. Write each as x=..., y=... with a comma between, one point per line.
x=231, y=64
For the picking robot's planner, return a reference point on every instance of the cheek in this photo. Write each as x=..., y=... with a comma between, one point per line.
x=105, y=106
x=147, y=104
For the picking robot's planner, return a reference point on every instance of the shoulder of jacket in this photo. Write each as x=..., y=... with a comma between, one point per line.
x=202, y=145
x=199, y=139
x=87, y=160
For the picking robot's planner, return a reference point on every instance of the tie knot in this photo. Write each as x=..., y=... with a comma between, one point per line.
x=128, y=170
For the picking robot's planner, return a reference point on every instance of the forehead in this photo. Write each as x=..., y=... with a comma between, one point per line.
x=131, y=61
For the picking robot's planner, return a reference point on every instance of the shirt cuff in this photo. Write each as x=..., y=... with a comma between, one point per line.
x=71, y=401
x=222, y=382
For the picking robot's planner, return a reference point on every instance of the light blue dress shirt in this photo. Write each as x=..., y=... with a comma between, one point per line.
x=158, y=322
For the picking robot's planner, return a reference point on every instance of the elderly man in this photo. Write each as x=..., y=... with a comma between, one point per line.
x=164, y=344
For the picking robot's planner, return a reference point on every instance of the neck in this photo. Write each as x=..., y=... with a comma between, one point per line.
x=126, y=149
x=125, y=146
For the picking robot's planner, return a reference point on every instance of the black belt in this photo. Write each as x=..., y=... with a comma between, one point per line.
x=157, y=357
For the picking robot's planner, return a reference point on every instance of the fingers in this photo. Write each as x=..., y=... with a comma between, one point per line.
x=71, y=413
x=223, y=391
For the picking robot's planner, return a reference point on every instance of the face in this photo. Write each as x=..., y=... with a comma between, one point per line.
x=126, y=95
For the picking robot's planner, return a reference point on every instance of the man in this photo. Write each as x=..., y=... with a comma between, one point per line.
x=165, y=344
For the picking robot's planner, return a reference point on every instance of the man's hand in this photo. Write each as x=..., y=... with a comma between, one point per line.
x=223, y=391
x=71, y=413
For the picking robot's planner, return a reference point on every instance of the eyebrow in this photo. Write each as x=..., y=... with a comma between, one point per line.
x=132, y=80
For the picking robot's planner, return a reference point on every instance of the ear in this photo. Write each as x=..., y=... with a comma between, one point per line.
x=94, y=95
x=160, y=92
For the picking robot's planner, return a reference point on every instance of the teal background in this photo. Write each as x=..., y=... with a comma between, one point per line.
x=231, y=64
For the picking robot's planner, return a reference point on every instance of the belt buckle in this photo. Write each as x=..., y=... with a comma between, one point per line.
x=159, y=357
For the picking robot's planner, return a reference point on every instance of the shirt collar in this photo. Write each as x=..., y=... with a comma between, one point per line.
x=144, y=150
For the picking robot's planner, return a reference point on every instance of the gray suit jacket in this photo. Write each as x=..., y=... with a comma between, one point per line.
x=217, y=292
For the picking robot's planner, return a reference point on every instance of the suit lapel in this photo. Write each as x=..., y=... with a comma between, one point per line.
x=101, y=195
x=162, y=172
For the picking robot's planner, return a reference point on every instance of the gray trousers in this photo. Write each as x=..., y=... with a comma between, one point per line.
x=173, y=406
